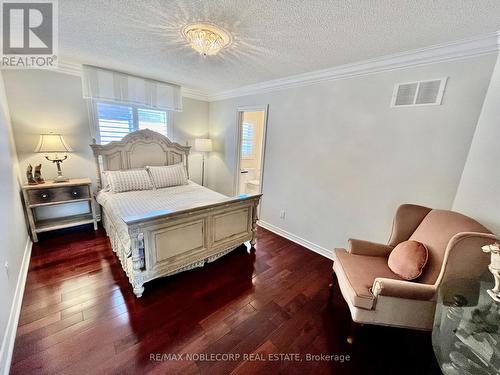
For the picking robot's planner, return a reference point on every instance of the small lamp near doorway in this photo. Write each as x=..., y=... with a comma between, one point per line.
x=55, y=148
x=203, y=145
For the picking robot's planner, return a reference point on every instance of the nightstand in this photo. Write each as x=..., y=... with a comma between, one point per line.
x=50, y=194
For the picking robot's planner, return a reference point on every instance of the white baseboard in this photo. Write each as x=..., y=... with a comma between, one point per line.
x=15, y=310
x=299, y=240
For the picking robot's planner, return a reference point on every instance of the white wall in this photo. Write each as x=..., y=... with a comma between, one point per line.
x=189, y=124
x=339, y=160
x=479, y=192
x=42, y=101
x=13, y=234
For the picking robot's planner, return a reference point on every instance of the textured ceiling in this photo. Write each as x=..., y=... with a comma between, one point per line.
x=272, y=39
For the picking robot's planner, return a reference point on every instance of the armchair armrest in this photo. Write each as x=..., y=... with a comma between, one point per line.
x=403, y=289
x=360, y=247
x=463, y=257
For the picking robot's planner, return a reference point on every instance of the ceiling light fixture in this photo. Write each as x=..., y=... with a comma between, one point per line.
x=206, y=38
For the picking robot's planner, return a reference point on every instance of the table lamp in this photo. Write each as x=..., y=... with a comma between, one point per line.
x=203, y=145
x=54, y=144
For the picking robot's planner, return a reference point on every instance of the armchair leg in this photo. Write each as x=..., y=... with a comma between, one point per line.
x=353, y=332
x=331, y=286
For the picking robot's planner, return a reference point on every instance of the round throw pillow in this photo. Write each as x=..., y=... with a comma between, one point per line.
x=408, y=259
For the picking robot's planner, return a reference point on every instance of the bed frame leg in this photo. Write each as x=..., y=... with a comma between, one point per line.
x=138, y=290
x=253, y=241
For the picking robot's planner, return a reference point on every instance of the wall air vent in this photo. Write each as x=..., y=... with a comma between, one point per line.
x=418, y=93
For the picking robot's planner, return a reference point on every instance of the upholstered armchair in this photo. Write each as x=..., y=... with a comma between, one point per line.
x=376, y=295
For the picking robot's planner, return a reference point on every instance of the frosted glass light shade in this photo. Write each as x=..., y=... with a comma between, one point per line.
x=52, y=143
x=203, y=144
x=206, y=38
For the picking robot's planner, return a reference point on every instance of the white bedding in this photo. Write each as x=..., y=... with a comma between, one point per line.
x=118, y=206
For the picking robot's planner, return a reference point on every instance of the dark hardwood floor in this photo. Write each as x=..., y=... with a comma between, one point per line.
x=79, y=316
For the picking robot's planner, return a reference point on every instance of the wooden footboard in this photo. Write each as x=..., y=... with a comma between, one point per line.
x=166, y=242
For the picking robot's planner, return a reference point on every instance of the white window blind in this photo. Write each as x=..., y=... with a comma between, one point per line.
x=152, y=119
x=247, y=139
x=117, y=120
x=107, y=85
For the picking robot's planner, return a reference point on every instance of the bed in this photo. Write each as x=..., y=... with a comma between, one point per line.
x=161, y=232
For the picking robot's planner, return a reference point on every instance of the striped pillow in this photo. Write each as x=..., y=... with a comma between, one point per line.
x=128, y=180
x=169, y=175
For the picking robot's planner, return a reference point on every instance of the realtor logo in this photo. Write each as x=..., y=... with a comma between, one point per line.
x=29, y=33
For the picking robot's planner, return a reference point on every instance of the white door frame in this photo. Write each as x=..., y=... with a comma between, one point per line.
x=239, y=120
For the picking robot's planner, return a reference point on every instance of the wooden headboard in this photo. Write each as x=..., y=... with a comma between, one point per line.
x=136, y=150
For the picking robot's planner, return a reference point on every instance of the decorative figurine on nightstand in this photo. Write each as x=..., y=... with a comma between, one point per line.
x=29, y=175
x=494, y=268
x=38, y=174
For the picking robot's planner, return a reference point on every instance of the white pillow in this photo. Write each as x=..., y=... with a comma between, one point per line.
x=128, y=180
x=168, y=175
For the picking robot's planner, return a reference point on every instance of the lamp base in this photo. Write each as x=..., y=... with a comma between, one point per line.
x=61, y=179
x=58, y=161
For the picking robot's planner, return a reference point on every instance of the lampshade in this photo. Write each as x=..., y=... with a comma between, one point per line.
x=203, y=144
x=52, y=143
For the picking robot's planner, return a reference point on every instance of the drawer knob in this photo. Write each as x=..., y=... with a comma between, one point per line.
x=44, y=195
x=75, y=194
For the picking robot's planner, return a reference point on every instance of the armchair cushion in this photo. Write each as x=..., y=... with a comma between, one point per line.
x=360, y=247
x=358, y=272
x=403, y=289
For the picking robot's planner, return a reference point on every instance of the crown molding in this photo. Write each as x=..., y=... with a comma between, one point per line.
x=457, y=50
x=481, y=45
x=196, y=94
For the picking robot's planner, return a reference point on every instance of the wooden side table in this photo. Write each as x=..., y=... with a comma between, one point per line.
x=50, y=194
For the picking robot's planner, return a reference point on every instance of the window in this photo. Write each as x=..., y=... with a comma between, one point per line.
x=117, y=120
x=247, y=140
x=154, y=120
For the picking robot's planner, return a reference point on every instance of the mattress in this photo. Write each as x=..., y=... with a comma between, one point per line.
x=118, y=206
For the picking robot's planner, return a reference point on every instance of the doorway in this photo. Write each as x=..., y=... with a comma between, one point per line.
x=251, y=145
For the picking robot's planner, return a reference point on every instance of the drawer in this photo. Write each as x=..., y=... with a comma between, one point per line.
x=60, y=194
